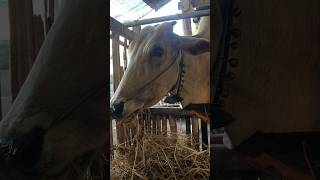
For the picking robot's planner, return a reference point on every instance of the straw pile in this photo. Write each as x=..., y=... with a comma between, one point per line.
x=160, y=157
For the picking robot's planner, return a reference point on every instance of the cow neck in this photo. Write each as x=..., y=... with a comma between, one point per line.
x=176, y=89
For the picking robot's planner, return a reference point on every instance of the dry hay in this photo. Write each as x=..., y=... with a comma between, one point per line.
x=160, y=157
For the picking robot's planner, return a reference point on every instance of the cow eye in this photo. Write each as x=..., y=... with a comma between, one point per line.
x=156, y=52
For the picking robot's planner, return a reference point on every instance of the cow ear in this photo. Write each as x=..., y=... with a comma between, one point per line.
x=193, y=45
x=167, y=27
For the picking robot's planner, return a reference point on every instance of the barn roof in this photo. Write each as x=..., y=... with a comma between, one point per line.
x=125, y=10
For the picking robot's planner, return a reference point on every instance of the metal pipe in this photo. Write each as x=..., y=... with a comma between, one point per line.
x=168, y=18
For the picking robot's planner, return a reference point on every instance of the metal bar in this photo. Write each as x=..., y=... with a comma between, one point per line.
x=117, y=27
x=203, y=7
x=168, y=18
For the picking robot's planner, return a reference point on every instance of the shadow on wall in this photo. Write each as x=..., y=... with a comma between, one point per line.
x=5, y=82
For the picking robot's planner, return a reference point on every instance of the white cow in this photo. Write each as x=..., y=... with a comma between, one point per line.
x=158, y=57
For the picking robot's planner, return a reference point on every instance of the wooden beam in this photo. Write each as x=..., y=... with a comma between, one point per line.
x=186, y=23
x=173, y=124
x=204, y=134
x=158, y=121
x=116, y=61
x=168, y=18
x=117, y=27
x=195, y=132
x=164, y=125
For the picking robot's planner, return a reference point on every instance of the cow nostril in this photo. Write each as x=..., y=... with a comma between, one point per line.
x=117, y=109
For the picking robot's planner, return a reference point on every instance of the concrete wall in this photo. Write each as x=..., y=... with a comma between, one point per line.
x=5, y=81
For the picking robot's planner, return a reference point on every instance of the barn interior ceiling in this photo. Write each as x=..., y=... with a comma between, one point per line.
x=124, y=10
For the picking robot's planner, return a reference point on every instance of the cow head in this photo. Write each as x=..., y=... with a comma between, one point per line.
x=153, y=68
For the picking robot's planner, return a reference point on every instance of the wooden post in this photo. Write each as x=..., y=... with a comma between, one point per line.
x=158, y=124
x=195, y=132
x=125, y=58
x=142, y=122
x=111, y=136
x=149, y=122
x=116, y=61
x=164, y=125
x=154, y=124
x=121, y=134
x=116, y=26
x=188, y=129
x=173, y=128
x=121, y=130
x=186, y=7
x=204, y=134
x=173, y=125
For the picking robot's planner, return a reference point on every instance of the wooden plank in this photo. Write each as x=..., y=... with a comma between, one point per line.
x=159, y=124
x=187, y=30
x=116, y=26
x=127, y=135
x=125, y=57
x=120, y=134
x=173, y=124
x=188, y=128
x=186, y=23
x=154, y=124
x=141, y=126
x=168, y=18
x=204, y=134
x=164, y=125
x=111, y=133
x=170, y=111
x=116, y=61
x=195, y=132
x=146, y=120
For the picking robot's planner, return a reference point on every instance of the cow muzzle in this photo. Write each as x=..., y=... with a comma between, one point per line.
x=117, y=110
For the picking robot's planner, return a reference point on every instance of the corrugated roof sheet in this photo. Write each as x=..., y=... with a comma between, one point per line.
x=125, y=10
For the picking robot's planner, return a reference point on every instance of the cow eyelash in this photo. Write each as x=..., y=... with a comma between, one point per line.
x=156, y=52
